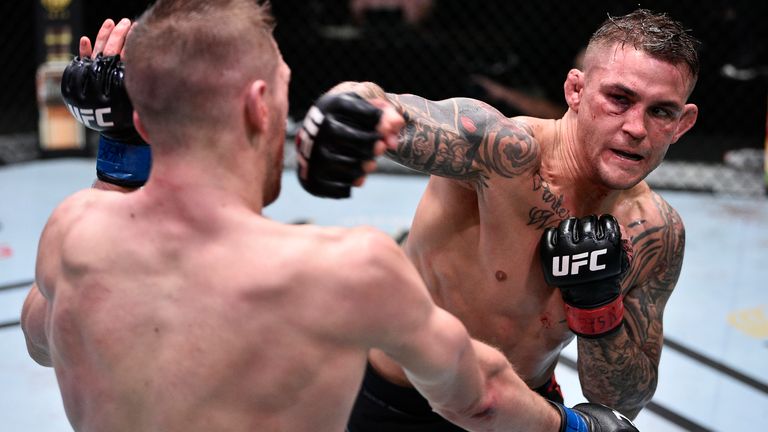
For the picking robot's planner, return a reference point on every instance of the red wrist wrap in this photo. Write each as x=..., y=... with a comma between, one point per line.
x=598, y=321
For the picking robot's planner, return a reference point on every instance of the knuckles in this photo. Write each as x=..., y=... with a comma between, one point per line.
x=589, y=228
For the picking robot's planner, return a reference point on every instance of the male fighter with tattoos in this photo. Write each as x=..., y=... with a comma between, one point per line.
x=504, y=201
x=162, y=309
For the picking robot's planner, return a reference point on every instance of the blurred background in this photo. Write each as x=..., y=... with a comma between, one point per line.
x=513, y=54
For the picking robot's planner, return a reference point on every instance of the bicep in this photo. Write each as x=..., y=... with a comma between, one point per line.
x=440, y=360
x=657, y=262
x=430, y=351
x=463, y=139
x=431, y=345
x=36, y=308
x=401, y=319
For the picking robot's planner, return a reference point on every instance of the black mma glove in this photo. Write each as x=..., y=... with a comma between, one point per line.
x=94, y=92
x=587, y=260
x=589, y=417
x=338, y=134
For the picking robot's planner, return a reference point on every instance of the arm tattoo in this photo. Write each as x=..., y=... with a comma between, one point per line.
x=658, y=259
x=462, y=139
x=621, y=371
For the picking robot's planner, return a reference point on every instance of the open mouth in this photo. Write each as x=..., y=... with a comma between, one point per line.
x=625, y=155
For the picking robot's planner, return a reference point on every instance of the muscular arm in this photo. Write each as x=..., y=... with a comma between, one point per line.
x=458, y=138
x=466, y=381
x=34, y=315
x=621, y=370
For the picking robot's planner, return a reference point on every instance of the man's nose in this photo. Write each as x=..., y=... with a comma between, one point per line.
x=634, y=123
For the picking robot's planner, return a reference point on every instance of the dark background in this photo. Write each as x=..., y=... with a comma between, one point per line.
x=528, y=45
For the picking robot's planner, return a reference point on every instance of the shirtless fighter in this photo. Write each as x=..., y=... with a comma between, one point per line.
x=504, y=201
x=179, y=307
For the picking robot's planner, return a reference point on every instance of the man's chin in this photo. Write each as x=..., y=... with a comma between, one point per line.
x=622, y=181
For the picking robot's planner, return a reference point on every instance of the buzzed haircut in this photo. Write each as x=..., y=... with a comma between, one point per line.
x=187, y=60
x=653, y=33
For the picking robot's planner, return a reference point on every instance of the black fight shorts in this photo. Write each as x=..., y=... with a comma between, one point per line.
x=385, y=407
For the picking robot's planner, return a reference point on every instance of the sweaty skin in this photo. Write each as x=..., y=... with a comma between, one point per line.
x=498, y=182
x=179, y=307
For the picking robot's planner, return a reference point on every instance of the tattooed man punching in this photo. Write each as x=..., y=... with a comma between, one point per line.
x=535, y=232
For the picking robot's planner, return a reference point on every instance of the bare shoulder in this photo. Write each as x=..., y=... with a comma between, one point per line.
x=361, y=258
x=643, y=212
x=657, y=234
x=365, y=279
x=64, y=217
x=69, y=212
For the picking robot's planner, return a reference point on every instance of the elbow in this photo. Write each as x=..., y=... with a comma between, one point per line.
x=628, y=404
x=39, y=356
x=630, y=396
x=480, y=415
x=37, y=351
x=33, y=328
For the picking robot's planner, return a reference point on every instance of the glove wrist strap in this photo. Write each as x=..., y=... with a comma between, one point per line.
x=122, y=163
x=570, y=421
x=596, y=322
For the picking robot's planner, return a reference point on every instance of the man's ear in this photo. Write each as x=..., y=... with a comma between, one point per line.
x=687, y=120
x=256, y=106
x=574, y=83
x=140, y=127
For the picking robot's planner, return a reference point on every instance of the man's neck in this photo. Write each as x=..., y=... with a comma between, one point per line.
x=564, y=168
x=207, y=180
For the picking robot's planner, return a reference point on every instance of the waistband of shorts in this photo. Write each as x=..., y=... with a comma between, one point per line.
x=404, y=399
x=410, y=401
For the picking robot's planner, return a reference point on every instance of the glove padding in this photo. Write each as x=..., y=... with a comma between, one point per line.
x=338, y=134
x=590, y=417
x=587, y=259
x=94, y=92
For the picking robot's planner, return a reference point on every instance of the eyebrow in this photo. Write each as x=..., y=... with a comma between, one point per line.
x=669, y=104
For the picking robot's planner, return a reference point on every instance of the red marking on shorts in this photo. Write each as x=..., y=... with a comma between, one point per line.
x=5, y=252
x=468, y=124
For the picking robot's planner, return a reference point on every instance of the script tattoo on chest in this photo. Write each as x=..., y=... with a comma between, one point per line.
x=553, y=209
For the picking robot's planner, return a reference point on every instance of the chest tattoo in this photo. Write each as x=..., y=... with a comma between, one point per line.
x=552, y=208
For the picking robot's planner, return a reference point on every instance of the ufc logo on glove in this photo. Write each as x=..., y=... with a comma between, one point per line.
x=587, y=260
x=87, y=116
x=560, y=263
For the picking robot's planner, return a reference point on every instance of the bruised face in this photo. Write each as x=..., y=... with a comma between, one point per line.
x=278, y=113
x=630, y=108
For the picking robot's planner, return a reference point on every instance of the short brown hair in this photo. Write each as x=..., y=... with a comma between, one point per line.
x=654, y=33
x=187, y=60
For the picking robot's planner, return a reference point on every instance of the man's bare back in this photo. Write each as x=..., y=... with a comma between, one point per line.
x=212, y=324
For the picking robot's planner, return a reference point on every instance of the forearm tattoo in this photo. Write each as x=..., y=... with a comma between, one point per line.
x=621, y=371
x=462, y=139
